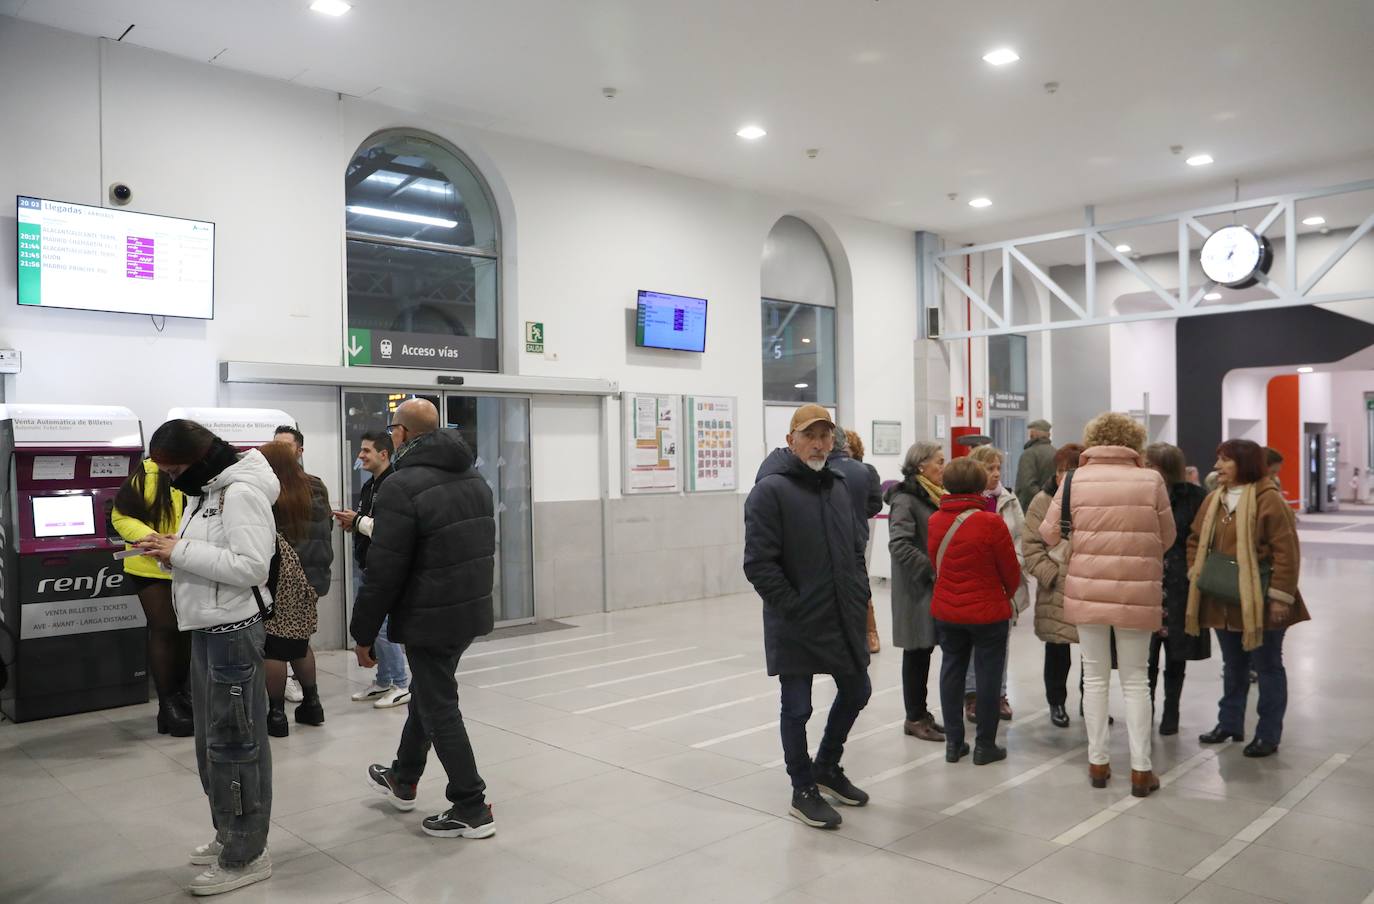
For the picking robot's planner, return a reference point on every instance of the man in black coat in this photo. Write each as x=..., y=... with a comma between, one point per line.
x=804, y=554
x=429, y=569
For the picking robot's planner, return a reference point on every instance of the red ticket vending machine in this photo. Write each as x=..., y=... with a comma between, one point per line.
x=78, y=640
x=242, y=428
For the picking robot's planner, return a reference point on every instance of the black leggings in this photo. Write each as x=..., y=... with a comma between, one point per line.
x=169, y=649
x=915, y=678
x=1058, y=662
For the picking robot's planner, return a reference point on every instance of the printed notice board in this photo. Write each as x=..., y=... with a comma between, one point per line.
x=651, y=452
x=712, y=448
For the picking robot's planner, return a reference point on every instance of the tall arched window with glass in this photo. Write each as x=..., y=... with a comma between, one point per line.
x=422, y=257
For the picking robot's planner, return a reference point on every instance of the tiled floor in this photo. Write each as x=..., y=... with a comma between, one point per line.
x=634, y=758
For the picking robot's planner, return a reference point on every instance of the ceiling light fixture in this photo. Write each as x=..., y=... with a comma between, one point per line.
x=1001, y=56
x=806, y=340
x=1306, y=370
x=751, y=133
x=1314, y=221
x=1212, y=296
x=799, y=385
x=980, y=202
x=1123, y=248
x=401, y=215
x=330, y=7
x=1200, y=160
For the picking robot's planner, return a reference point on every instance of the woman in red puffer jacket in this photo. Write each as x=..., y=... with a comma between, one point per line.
x=975, y=579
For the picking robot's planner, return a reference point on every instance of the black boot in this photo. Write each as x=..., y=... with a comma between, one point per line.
x=277, y=725
x=174, y=717
x=1173, y=691
x=1059, y=716
x=310, y=711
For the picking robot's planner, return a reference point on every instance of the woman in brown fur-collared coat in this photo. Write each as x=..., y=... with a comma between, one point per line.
x=1246, y=519
x=1049, y=569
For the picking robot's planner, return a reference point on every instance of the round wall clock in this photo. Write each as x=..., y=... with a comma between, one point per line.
x=1235, y=257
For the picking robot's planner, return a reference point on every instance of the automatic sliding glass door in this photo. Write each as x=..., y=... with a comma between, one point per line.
x=497, y=430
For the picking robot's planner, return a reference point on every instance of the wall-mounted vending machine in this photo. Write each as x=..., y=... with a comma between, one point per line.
x=79, y=639
x=242, y=428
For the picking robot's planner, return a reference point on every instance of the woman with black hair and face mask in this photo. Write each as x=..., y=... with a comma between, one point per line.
x=219, y=560
x=147, y=504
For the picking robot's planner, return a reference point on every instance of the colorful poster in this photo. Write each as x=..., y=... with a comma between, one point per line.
x=712, y=438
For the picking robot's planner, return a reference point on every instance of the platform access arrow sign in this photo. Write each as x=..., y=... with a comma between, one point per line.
x=359, y=346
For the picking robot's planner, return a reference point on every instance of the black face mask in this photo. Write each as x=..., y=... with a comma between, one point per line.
x=193, y=480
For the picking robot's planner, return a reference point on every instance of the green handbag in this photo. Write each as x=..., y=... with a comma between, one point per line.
x=1220, y=578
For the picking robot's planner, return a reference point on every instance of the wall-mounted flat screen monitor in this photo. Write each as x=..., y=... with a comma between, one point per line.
x=675, y=322
x=64, y=516
x=101, y=259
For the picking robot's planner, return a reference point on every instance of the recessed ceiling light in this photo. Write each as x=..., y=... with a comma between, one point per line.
x=806, y=340
x=1306, y=370
x=751, y=133
x=799, y=385
x=1001, y=56
x=1199, y=160
x=980, y=202
x=1314, y=221
x=400, y=215
x=330, y=7
x=1212, y=296
x=1123, y=248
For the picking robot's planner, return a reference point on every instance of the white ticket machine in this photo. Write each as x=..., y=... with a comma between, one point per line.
x=77, y=637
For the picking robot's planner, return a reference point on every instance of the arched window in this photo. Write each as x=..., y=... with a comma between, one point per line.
x=798, y=285
x=422, y=257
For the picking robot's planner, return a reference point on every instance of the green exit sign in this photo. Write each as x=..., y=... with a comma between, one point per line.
x=534, y=337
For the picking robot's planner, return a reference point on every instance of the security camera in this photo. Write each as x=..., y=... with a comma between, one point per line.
x=120, y=193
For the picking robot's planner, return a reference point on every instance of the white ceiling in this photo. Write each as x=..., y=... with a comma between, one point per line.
x=892, y=92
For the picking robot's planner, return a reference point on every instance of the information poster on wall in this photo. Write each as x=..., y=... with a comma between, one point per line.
x=711, y=443
x=887, y=437
x=651, y=453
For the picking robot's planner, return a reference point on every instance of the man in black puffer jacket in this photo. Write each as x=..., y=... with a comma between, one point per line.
x=430, y=568
x=804, y=554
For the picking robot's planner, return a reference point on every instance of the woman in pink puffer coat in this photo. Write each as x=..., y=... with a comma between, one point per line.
x=1122, y=525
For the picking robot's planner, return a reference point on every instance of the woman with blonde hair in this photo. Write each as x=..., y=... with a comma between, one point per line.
x=1002, y=502
x=1117, y=515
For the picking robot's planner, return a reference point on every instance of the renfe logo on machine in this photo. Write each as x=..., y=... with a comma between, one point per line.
x=95, y=583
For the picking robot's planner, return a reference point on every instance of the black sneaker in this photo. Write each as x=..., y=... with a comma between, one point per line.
x=380, y=779
x=833, y=781
x=451, y=824
x=812, y=809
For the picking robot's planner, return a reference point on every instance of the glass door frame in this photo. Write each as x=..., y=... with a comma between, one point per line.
x=346, y=467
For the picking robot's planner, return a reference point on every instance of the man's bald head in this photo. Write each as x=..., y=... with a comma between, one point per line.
x=418, y=416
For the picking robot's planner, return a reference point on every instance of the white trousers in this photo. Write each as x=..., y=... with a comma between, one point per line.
x=1132, y=658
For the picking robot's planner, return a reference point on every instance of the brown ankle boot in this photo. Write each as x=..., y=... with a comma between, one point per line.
x=874, y=645
x=1099, y=775
x=1142, y=783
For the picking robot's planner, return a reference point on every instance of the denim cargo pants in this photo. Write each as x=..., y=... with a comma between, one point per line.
x=229, y=690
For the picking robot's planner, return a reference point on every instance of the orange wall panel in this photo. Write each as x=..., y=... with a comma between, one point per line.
x=1285, y=433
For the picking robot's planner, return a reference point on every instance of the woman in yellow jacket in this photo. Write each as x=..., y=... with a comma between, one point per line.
x=146, y=504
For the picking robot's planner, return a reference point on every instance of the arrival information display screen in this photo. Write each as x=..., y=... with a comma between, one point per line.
x=98, y=259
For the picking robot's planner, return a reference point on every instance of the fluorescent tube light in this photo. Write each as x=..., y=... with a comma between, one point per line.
x=330, y=7
x=401, y=215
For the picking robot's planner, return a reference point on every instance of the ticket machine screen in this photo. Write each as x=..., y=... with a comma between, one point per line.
x=64, y=516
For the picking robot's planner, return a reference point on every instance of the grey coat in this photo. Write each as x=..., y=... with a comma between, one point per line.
x=913, y=574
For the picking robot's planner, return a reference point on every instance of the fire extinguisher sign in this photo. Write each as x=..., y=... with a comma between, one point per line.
x=958, y=406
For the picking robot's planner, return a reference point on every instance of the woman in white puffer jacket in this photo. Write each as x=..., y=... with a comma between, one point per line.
x=220, y=555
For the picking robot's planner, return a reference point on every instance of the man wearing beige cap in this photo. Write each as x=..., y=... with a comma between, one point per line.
x=804, y=554
x=1037, y=463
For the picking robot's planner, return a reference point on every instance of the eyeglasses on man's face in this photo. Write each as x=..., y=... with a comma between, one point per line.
x=392, y=428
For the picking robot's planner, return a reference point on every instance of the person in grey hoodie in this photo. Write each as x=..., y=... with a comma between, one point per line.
x=219, y=559
x=804, y=554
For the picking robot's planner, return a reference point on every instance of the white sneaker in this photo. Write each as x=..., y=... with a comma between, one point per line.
x=217, y=879
x=207, y=854
x=294, y=694
x=373, y=691
x=397, y=696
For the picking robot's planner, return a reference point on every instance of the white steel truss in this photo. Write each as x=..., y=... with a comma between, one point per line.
x=1287, y=289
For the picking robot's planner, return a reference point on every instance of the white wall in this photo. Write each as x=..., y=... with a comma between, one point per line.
x=1349, y=422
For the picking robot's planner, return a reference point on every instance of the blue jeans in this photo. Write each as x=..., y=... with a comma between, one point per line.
x=851, y=696
x=391, y=657
x=229, y=706
x=1267, y=661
